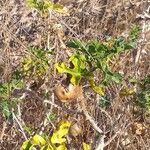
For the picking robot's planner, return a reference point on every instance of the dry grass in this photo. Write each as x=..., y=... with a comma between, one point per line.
x=20, y=28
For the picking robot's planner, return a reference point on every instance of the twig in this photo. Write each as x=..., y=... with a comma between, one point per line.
x=88, y=117
x=22, y=130
x=82, y=101
x=104, y=111
x=62, y=22
x=101, y=143
x=3, y=131
x=143, y=35
x=48, y=113
x=93, y=123
x=111, y=139
x=61, y=108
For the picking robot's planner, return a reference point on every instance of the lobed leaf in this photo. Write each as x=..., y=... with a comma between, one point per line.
x=26, y=145
x=38, y=140
x=86, y=146
x=78, y=62
x=59, y=134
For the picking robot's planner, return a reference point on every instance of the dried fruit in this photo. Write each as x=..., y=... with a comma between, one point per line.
x=68, y=96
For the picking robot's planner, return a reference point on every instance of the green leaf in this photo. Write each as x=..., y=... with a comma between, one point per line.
x=134, y=81
x=104, y=101
x=58, y=135
x=6, y=109
x=35, y=65
x=26, y=145
x=61, y=67
x=86, y=146
x=29, y=130
x=127, y=91
x=134, y=33
x=144, y=99
x=116, y=77
x=43, y=6
x=147, y=79
x=17, y=84
x=131, y=42
x=60, y=8
x=38, y=140
x=61, y=147
x=51, y=117
x=98, y=54
x=98, y=89
x=56, y=142
x=4, y=90
x=78, y=62
x=48, y=147
x=77, y=44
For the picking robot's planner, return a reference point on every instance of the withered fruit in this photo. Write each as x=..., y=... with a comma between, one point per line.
x=68, y=96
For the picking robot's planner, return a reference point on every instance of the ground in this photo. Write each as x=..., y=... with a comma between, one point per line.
x=125, y=126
